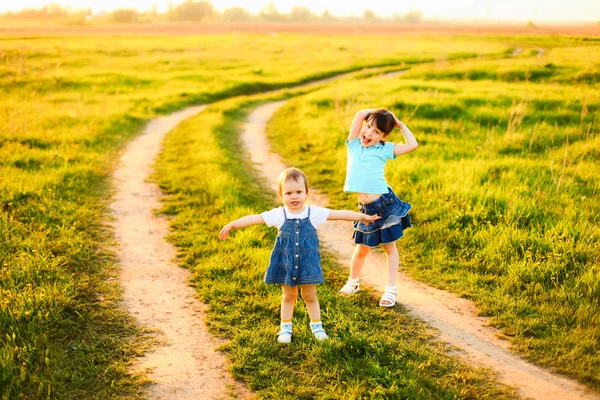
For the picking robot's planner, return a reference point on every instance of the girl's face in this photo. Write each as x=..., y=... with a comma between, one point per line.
x=370, y=135
x=294, y=195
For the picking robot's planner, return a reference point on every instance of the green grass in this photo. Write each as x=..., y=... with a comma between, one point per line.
x=68, y=104
x=373, y=353
x=504, y=187
x=564, y=60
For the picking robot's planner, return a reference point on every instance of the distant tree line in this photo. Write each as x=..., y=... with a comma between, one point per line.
x=52, y=11
x=202, y=11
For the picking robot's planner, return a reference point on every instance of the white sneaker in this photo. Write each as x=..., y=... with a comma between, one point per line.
x=318, y=331
x=285, y=333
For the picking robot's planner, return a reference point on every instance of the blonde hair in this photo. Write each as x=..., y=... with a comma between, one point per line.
x=289, y=174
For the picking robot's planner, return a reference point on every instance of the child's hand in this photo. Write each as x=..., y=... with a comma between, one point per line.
x=398, y=122
x=367, y=219
x=225, y=232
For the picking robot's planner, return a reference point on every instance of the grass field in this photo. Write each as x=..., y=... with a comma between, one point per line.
x=69, y=104
x=504, y=187
x=373, y=353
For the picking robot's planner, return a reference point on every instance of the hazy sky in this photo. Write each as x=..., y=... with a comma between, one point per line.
x=536, y=10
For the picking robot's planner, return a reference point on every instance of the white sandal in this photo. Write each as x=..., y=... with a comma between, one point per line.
x=285, y=333
x=318, y=331
x=350, y=288
x=389, y=297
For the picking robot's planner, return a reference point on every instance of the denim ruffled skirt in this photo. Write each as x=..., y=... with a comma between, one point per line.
x=390, y=227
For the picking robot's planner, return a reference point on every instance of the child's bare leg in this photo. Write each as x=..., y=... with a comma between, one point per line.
x=288, y=300
x=393, y=260
x=389, y=295
x=356, y=265
x=309, y=295
x=358, y=260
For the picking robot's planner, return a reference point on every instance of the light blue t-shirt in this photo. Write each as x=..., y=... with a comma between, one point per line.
x=364, y=168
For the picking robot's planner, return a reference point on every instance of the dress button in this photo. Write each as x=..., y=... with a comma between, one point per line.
x=296, y=255
x=296, y=244
x=294, y=278
x=296, y=267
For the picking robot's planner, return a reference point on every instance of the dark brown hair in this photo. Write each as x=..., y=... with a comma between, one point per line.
x=383, y=120
x=289, y=174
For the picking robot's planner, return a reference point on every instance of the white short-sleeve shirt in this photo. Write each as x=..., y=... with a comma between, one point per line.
x=276, y=217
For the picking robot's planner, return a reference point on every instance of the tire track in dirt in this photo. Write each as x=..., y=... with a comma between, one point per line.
x=454, y=318
x=156, y=291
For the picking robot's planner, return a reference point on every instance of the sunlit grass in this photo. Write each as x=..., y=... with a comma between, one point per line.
x=373, y=352
x=566, y=60
x=68, y=104
x=504, y=188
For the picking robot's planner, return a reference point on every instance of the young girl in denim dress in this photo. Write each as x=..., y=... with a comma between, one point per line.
x=368, y=153
x=295, y=259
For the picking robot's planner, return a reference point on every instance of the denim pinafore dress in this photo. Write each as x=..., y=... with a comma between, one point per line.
x=295, y=259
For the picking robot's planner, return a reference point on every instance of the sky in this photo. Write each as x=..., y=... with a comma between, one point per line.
x=523, y=10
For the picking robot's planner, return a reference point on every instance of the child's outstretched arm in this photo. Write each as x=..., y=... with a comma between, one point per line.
x=248, y=220
x=411, y=143
x=357, y=122
x=347, y=215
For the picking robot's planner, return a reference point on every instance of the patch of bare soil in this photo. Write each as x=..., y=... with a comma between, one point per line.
x=455, y=319
x=156, y=290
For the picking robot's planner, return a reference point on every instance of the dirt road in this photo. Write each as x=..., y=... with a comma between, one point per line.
x=454, y=318
x=157, y=293
x=156, y=290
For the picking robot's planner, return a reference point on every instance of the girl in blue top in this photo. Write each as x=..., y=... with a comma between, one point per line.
x=368, y=153
x=295, y=259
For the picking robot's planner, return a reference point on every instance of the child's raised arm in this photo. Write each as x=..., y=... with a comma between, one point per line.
x=347, y=215
x=248, y=220
x=357, y=122
x=411, y=143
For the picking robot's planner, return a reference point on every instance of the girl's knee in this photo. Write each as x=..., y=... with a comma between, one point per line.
x=289, y=297
x=310, y=297
x=362, y=251
x=390, y=248
x=309, y=294
x=289, y=294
